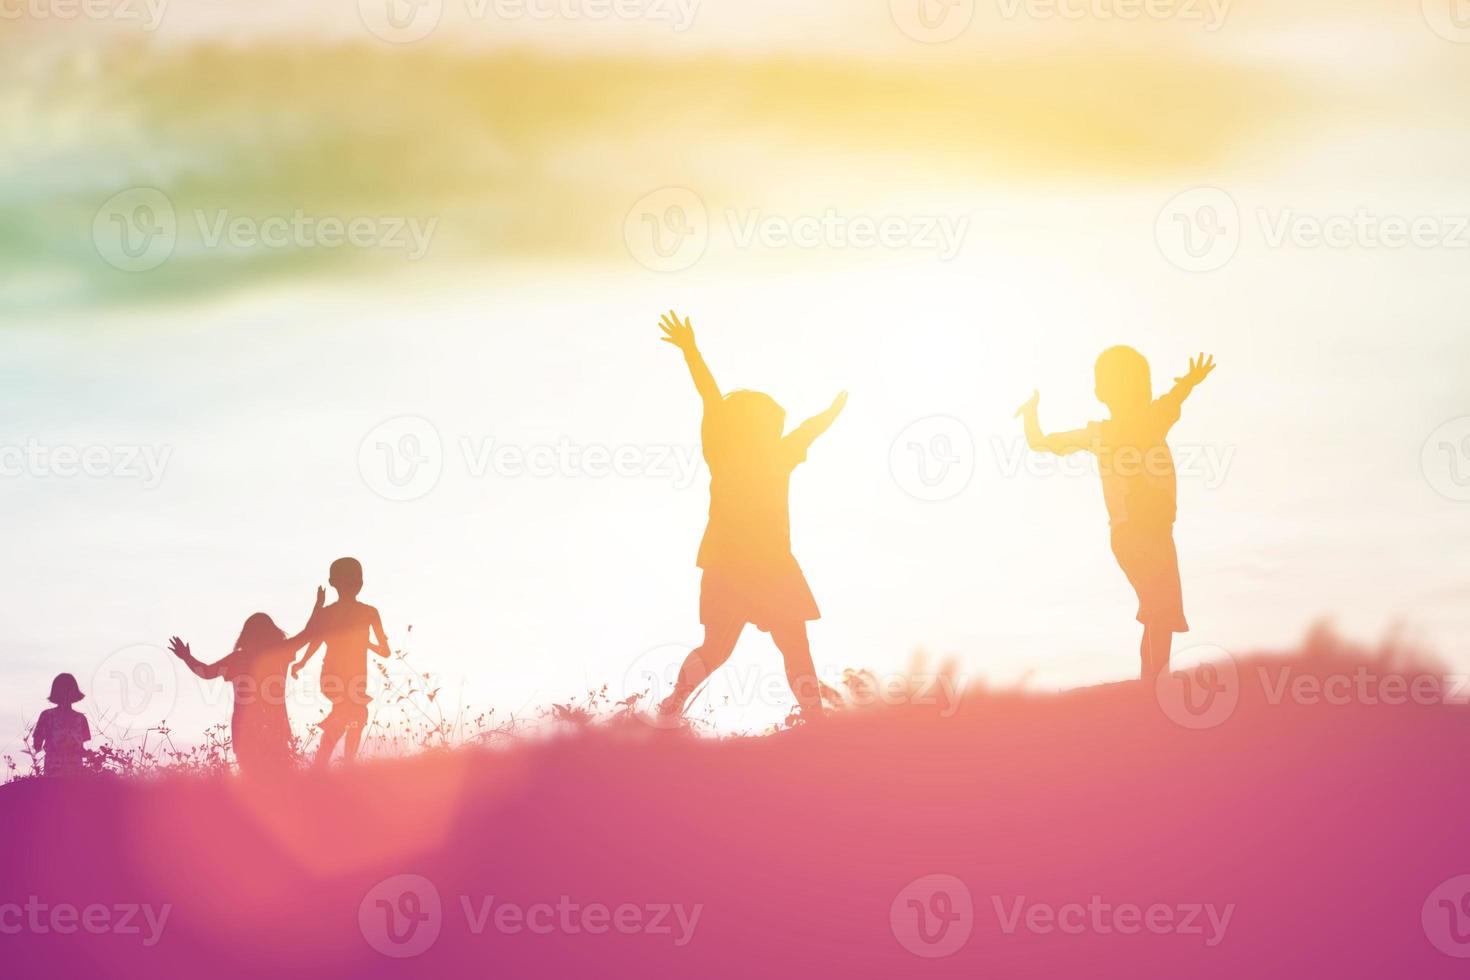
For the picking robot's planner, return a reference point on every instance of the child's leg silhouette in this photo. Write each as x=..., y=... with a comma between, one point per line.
x=801, y=673
x=719, y=644
x=350, y=743
x=324, y=751
x=1154, y=652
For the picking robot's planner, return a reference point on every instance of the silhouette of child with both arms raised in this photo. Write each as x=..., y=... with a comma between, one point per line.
x=1139, y=485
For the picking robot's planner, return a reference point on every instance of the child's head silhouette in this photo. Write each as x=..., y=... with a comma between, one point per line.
x=1123, y=380
x=346, y=577
x=751, y=418
x=258, y=632
x=64, y=690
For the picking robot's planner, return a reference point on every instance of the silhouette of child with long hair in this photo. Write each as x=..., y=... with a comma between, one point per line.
x=750, y=575
x=1139, y=485
x=260, y=730
x=62, y=732
x=343, y=628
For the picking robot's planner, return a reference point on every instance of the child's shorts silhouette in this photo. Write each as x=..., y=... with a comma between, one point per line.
x=767, y=600
x=1147, y=556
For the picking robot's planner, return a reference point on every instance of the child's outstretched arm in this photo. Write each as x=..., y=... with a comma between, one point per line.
x=807, y=433
x=313, y=622
x=381, y=648
x=316, y=644
x=1060, y=443
x=1199, y=369
x=181, y=650
x=681, y=335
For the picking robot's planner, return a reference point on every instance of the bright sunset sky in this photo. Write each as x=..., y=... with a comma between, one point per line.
x=1029, y=173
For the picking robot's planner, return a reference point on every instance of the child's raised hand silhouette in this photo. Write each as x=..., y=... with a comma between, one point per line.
x=1030, y=406
x=681, y=335
x=178, y=648
x=1199, y=369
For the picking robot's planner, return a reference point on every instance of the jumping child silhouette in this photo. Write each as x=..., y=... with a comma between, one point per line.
x=344, y=628
x=1139, y=485
x=750, y=575
x=62, y=731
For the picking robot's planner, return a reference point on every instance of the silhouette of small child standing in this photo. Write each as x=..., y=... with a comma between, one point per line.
x=1139, y=485
x=344, y=628
x=62, y=731
x=750, y=574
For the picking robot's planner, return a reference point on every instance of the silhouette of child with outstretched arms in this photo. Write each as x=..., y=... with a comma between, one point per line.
x=260, y=730
x=750, y=575
x=1139, y=485
x=344, y=627
x=62, y=732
